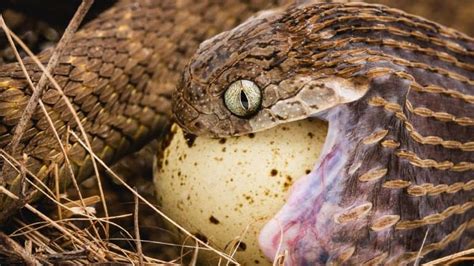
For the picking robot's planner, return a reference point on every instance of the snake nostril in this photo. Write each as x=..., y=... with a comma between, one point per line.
x=198, y=125
x=224, y=126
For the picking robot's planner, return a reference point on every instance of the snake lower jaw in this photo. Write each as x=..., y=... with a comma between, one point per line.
x=303, y=227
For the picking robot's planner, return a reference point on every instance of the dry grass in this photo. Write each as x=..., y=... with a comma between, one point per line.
x=73, y=231
x=41, y=239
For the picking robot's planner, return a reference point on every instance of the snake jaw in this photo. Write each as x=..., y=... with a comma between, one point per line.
x=305, y=223
x=311, y=97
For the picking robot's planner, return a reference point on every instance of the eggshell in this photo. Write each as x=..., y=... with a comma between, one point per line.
x=224, y=190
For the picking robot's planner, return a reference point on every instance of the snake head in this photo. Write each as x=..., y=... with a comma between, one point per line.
x=255, y=77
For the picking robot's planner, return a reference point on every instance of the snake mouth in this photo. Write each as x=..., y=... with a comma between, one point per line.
x=299, y=228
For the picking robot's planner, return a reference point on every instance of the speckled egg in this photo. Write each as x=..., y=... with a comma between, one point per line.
x=225, y=190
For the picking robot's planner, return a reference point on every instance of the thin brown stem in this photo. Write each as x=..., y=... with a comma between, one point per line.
x=450, y=258
x=14, y=247
x=137, y=232
x=56, y=186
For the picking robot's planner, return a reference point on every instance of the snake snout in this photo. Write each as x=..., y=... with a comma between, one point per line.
x=191, y=108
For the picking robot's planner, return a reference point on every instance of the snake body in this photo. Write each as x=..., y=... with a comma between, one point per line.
x=394, y=182
x=118, y=71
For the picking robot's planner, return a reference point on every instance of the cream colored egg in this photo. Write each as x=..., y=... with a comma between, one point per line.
x=225, y=190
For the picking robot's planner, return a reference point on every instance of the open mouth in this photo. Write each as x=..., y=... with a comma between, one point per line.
x=299, y=230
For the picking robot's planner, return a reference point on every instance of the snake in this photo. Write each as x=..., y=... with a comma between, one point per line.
x=394, y=182
x=396, y=89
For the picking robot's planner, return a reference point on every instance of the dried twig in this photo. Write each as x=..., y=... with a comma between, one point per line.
x=68, y=256
x=56, y=188
x=280, y=256
x=14, y=247
x=418, y=256
x=137, y=232
x=452, y=258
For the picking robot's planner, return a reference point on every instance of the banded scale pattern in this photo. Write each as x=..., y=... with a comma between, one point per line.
x=398, y=93
x=118, y=71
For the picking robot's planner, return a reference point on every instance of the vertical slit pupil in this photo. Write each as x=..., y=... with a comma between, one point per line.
x=244, y=100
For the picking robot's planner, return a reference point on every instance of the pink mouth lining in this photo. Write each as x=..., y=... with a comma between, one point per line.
x=300, y=226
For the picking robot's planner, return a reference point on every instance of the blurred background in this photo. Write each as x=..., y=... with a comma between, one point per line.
x=458, y=14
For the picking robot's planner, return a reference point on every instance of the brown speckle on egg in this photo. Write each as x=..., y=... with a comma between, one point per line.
x=242, y=246
x=213, y=220
x=288, y=183
x=201, y=237
x=249, y=199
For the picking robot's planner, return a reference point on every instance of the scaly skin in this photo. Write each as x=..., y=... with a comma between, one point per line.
x=119, y=72
x=398, y=92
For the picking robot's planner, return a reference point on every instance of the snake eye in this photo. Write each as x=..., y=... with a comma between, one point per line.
x=243, y=98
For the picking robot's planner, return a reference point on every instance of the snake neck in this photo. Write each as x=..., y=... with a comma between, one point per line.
x=363, y=40
x=393, y=183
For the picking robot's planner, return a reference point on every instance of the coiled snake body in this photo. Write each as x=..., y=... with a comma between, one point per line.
x=396, y=89
x=398, y=92
x=118, y=72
